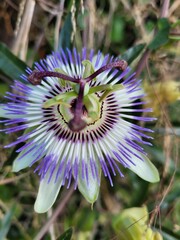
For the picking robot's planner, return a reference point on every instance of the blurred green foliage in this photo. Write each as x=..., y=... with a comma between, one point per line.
x=10, y=65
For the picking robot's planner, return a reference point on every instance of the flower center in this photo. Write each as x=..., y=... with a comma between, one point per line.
x=90, y=112
x=82, y=105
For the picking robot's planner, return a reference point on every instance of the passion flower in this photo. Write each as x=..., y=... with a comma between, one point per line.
x=77, y=111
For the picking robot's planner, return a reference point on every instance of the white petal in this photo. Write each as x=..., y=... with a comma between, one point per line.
x=90, y=189
x=22, y=162
x=144, y=169
x=47, y=194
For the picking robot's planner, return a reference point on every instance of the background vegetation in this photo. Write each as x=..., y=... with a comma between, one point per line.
x=146, y=34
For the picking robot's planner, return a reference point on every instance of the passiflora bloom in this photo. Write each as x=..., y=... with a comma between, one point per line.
x=77, y=111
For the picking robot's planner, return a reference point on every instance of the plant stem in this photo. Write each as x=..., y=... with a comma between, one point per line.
x=142, y=62
x=55, y=214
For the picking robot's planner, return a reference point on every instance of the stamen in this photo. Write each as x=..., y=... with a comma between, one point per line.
x=77, y=124
x=36, y=76
x=121, y=64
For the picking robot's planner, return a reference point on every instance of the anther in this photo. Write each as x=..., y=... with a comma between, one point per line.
x=34, y=78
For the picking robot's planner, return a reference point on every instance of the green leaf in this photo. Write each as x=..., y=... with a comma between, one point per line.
x=3, y=89
x=81, y=221
x=117, y=32
x=177, y=23
x=162, y=35
x=132, y=53
x=81, y=19
x=10, y=65
x=173, y=37
x=66, y=235
x=168, y=234
x=6, y=222
x=65, y=34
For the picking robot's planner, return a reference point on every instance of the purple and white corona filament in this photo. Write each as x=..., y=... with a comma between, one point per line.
x=76, y=110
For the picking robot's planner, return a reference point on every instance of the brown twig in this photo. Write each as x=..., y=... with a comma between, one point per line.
x=165, y=9
x=12, y=4
x=51, y=228
x=21, y=41
x=58, y=24
x=13, y=179
x=88, y=33
x=55, y=214
x=19, y=17
x=48, y=6
x=142, y=62
x=73, y=19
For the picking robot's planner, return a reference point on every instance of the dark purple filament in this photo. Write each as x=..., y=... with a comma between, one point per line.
x=36, y=76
